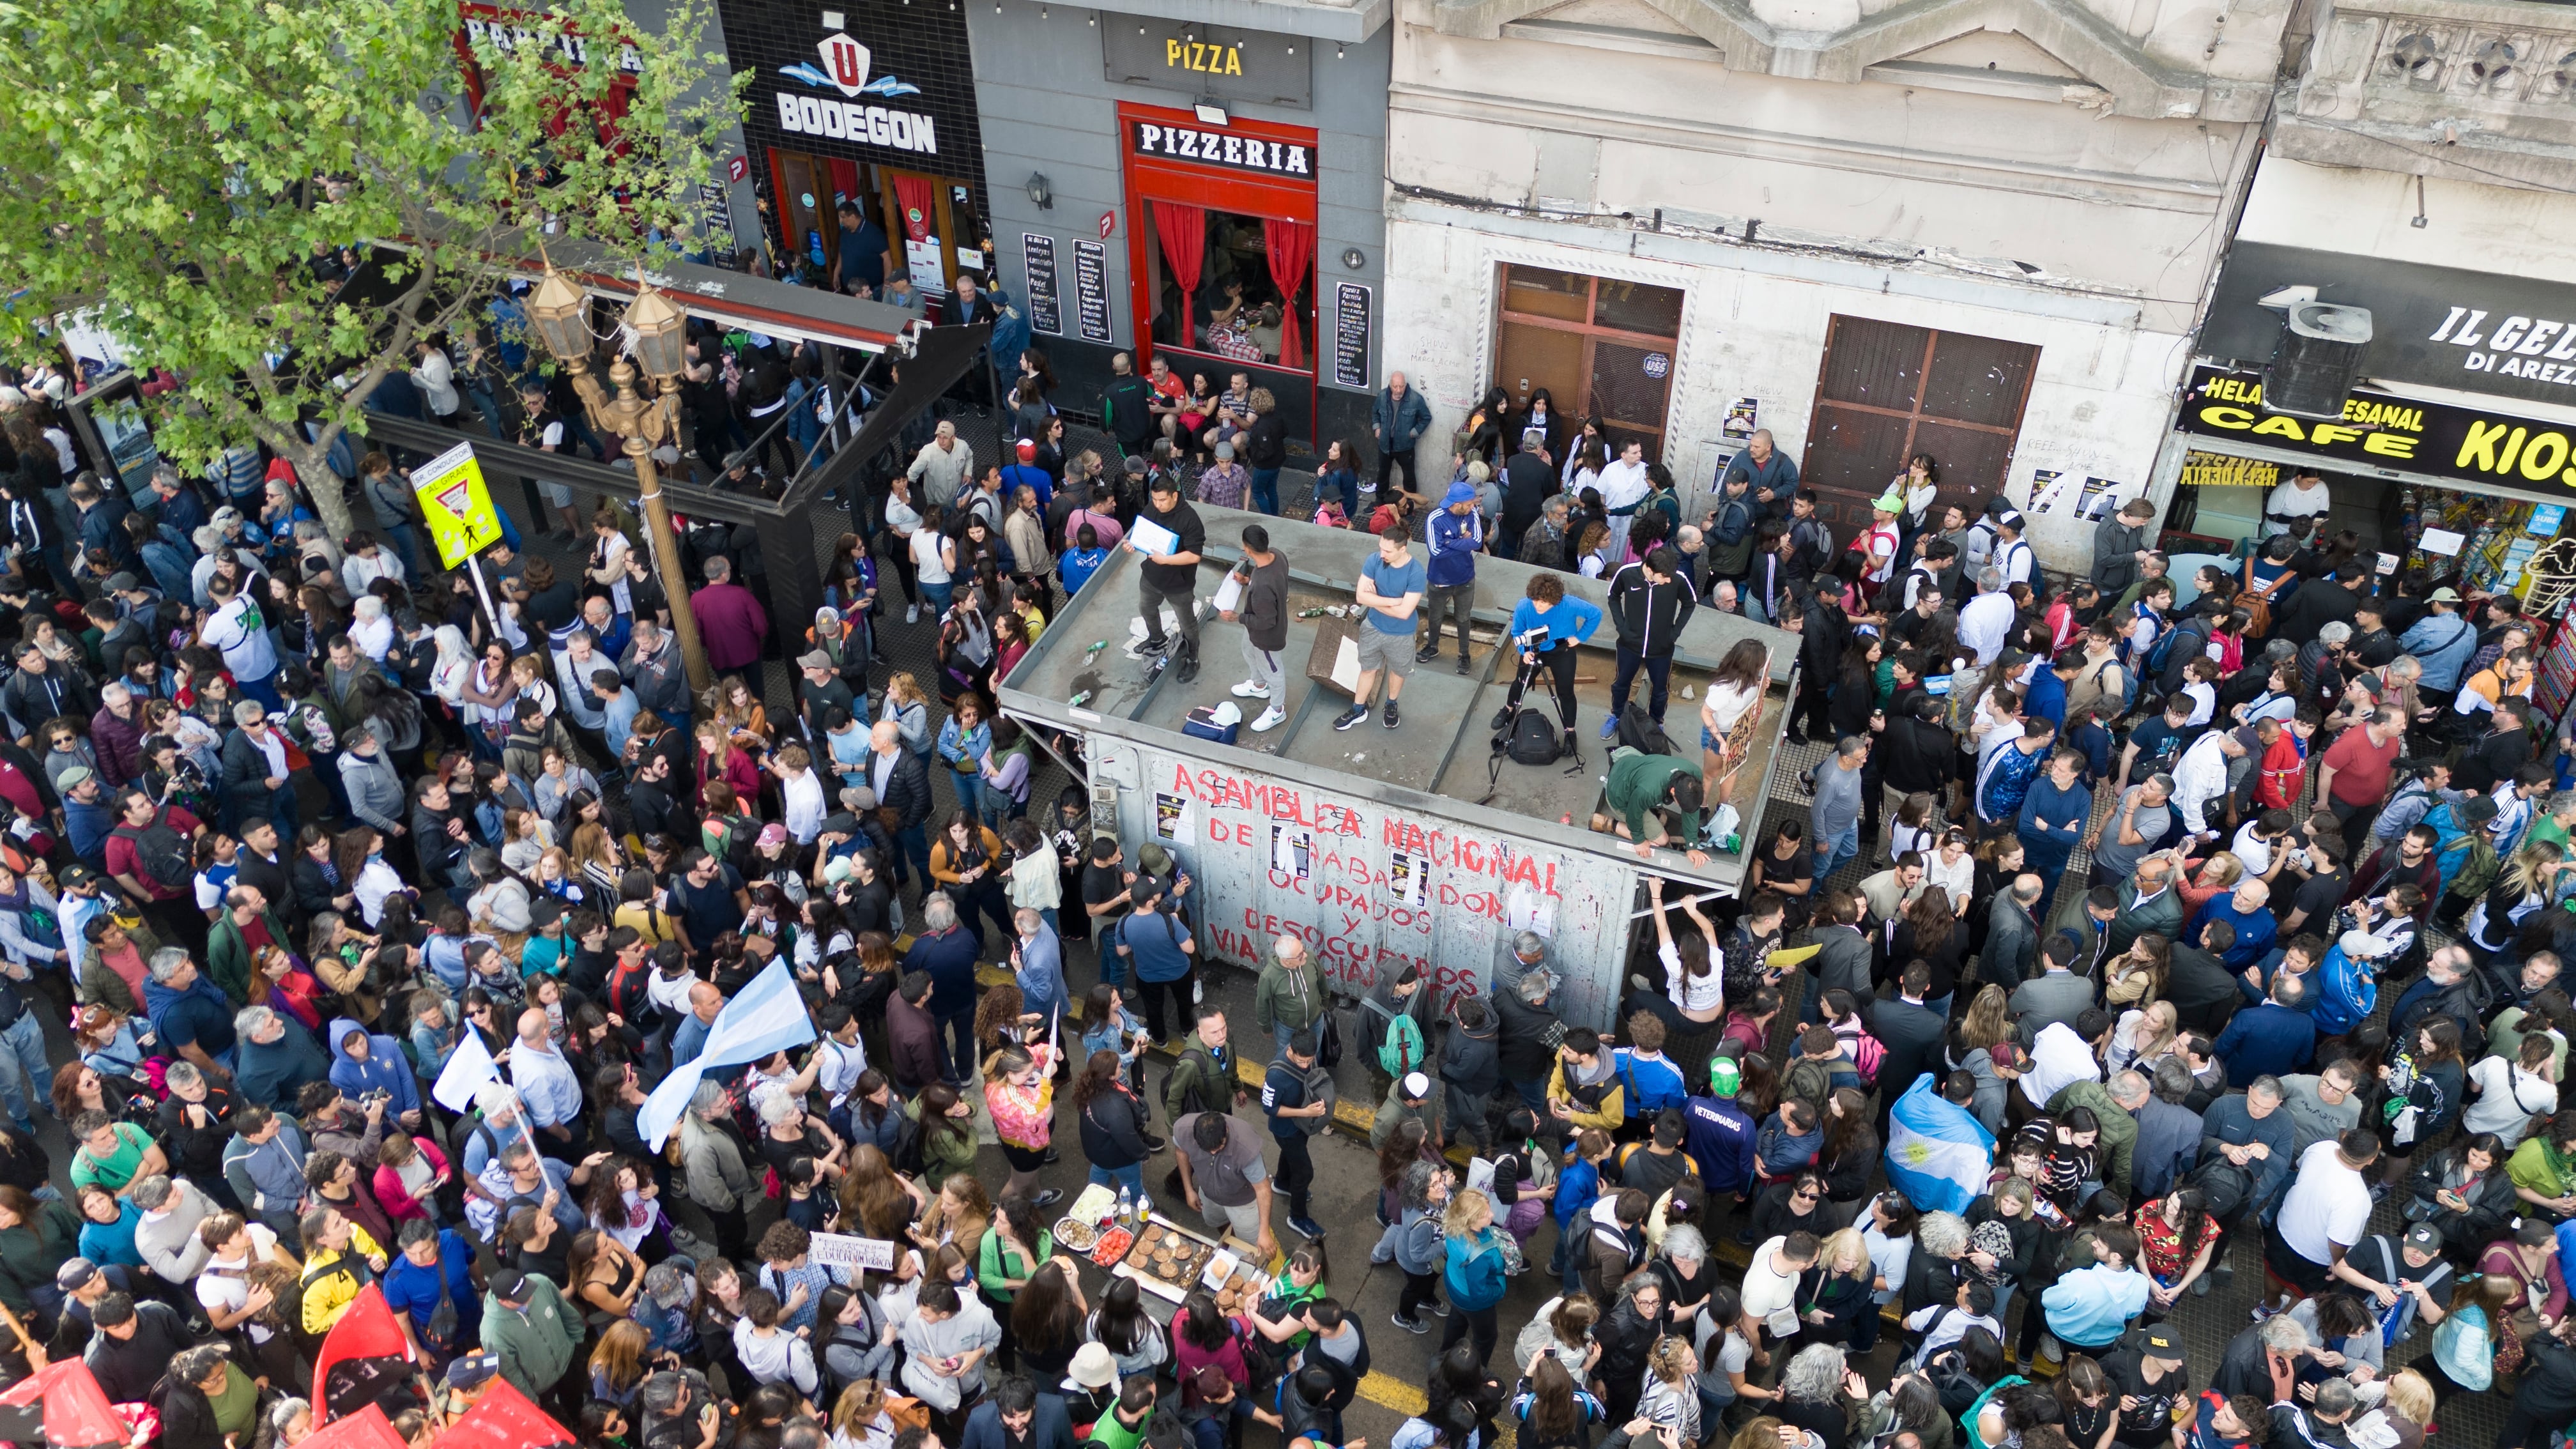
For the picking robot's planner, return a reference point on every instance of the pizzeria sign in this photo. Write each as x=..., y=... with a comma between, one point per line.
x=1230, y=149
x=2386, y=433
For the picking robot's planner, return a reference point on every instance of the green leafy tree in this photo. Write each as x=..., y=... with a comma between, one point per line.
x=177, y=167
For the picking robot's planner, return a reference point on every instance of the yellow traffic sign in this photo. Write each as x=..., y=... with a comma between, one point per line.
x=456, y=505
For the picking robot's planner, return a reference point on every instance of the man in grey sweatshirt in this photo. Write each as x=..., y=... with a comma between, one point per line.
x=1835, y=817
x=166, y=1235
x=375, y=786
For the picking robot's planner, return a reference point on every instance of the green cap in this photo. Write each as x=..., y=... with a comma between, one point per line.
x=1724, y=1077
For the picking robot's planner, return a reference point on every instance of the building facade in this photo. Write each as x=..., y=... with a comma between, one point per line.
x=2419, y=135
x=868, y=103
x=1978, y=229
x=1199, y=183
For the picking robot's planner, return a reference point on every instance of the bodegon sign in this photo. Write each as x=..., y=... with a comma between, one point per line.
x=2383, y=432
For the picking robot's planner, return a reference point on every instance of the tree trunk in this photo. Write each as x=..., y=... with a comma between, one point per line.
x=312, y=462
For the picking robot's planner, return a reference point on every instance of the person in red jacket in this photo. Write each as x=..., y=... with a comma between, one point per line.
x=2285, y=759
x=732, y=626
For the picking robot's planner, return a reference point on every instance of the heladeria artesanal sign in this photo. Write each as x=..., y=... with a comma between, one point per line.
x=2382, y=431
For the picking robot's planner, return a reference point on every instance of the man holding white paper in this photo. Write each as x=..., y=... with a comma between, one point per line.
x=1167, y=532
x=1259, y=586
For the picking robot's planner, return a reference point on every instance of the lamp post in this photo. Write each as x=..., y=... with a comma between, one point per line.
x=558, y=312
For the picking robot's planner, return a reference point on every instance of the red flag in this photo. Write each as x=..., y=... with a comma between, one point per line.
x=502, y=1419
x=364, y=1354
x=365, y=1429
x=77, y=1415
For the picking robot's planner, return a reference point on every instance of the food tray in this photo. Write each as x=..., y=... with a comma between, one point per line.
x=1092, y=1204
x=1076, y=1236
x=1114, y=1245
x=1240, y=1289
x=1169, y=1257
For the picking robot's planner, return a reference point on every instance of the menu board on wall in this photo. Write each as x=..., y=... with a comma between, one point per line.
x=1353, y=305
x=1091, y=289
x=1046, y=308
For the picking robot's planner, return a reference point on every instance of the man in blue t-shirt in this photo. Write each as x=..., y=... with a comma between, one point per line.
x=1390, y=588
x=1156, y=948
x=862, y=258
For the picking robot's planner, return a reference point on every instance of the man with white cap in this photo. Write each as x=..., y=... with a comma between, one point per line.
x=2012, y=554
x=1407, y=1099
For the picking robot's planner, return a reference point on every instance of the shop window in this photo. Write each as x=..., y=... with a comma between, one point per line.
x=1890, y=391
x=931, y=222
x=1233, y=285
x=1598, y=346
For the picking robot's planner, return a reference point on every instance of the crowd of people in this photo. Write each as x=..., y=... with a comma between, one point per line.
x=293, y=817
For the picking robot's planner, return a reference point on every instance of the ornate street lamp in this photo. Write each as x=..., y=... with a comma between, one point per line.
x=558, y=312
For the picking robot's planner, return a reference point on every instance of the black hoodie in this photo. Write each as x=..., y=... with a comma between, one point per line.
x=1649, y=616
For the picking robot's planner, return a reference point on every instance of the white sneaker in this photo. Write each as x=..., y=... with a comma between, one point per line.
x=1271, y=719
x=1248, y=689
x=912, y=614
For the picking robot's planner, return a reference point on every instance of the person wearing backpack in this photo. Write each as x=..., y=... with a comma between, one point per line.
x=1393, y=1017
x=1652, y=1082
x=1204, y=1078
x=150, y=852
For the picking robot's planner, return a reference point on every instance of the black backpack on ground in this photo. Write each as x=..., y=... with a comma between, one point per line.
x=1640, y=730
x=1533, y=738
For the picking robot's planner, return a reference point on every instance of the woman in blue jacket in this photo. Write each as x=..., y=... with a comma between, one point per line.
x=1474, y=1273
x=1548, y=626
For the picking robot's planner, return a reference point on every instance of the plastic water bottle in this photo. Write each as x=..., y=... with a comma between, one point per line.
x=1125, y=1207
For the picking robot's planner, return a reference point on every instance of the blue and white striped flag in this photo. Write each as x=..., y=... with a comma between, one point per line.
x=765, y=1017
x=1937, y=1151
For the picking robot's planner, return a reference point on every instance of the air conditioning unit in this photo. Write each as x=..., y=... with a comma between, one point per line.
x=2318, y=361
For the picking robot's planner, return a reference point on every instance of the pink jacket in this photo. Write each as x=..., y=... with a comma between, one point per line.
x=400, y=1205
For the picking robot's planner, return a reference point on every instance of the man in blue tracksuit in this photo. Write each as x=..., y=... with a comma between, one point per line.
x=1455, y=532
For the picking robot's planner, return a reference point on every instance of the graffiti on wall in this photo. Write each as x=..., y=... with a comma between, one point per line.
x=1372, y=891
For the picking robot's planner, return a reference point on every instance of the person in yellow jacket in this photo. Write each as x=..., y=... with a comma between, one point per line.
x=1584, y=1090
x=340, y=1260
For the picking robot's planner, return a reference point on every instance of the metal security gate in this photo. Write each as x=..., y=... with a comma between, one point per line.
x=1888, y=391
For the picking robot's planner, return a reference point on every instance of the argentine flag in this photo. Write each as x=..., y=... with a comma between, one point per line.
x=764, y=1018
x=1937, y=1151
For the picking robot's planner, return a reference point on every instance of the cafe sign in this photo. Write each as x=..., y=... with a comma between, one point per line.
x=2385, y=433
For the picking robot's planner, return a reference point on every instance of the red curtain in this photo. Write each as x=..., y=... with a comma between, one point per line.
x=920, y=206
x=1292, y=259
x=1183, y=230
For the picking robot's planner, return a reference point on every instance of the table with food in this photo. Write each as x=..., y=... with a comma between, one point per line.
x=1167, y=1260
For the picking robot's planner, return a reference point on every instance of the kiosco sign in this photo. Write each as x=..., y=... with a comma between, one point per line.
x=2381, y=431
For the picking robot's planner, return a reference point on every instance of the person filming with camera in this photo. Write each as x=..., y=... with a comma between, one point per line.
x=1548, y=628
